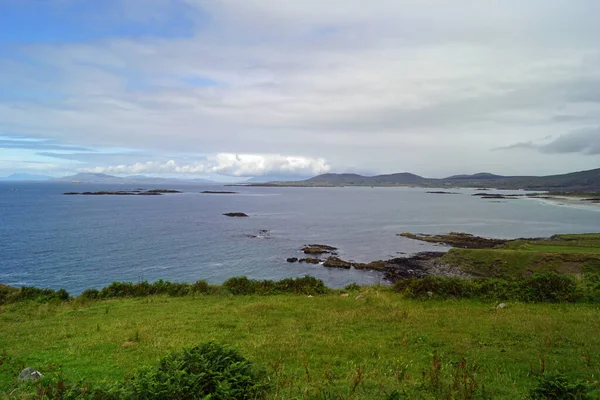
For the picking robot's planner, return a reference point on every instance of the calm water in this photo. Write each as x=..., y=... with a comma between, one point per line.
x=78, y=242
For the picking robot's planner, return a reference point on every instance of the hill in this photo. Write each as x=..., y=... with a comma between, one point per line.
x=25, y=177
x=582, y=181
x=86, y=177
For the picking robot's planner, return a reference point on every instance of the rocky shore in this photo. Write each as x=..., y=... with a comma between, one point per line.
x=417, y=266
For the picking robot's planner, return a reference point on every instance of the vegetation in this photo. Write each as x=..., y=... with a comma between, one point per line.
x=363, y=343
x=535, y=288
x=513, y=259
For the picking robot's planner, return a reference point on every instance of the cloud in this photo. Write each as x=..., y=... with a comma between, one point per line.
x=38, y=145
x=586, y=141
x=237, y=165
x=383, y=86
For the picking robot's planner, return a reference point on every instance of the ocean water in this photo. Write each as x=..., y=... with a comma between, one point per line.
x=79, y=242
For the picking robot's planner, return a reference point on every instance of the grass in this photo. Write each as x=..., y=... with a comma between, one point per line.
x=573, y=254
x=326, y=346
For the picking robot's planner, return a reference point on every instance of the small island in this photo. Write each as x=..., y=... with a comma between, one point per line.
x=235, y=214
x=135, y=192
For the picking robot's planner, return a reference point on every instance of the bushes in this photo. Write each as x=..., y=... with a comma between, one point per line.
x=236, y=286
x=32, y=293
x=306, y=285
x=207, y=371
x=535, y=288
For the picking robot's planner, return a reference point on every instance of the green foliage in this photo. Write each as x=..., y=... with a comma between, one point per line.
x=206, y=371
x=557, y=386
x=32, y=293
x=244, y=286
x=536, y=288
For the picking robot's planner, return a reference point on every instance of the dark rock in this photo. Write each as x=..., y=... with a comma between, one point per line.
x=29, y=374
x=440, y=192
x=235, y=214
x=310, y=260
x=163, y=191
x=334, y=262
x=457, y=239
x=322, y=246
x=292, y=259
x=373, y=266
x=71, y=193
x=318, y=249
x=217, y=192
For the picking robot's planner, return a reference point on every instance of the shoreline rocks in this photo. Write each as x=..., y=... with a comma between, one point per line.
x=456, y=239
x=217, y=192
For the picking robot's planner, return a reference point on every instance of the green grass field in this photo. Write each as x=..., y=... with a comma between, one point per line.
x=571, y=254
x=326, y=346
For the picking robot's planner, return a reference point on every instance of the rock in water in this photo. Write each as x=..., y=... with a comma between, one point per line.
x=30, y=374
x=235, y=214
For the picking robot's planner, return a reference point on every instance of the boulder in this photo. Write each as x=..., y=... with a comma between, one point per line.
x=30, y=374
x=292, y=259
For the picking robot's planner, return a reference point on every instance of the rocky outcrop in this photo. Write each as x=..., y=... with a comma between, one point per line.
x=457, y=239
x=334, y=262
x=217, y=192
x=318, y=249
x=310, y=260
x=235, y=214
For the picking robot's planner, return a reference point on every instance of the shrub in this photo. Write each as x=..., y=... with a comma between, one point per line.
x=558, y=386
x=240, y=285
x=200, y=287
x=206, y=371
x=536, y=288
x=548, y=288
x=89, y=294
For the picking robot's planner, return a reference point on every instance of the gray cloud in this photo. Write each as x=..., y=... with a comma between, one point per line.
x=380, y=86
x=583, y=142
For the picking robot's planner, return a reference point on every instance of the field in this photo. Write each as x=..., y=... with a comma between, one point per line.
x=570, y=254
x=363, y=346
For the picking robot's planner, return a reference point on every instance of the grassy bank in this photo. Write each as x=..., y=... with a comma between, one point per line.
x=563, y=254
x=365, y=345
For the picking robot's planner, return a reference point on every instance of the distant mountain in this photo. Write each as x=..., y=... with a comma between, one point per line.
x=583, y=181
x=25, y=177
x=479, y=176
x=355, y=179
x=86, y=177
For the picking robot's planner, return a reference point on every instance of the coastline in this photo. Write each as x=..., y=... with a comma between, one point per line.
x=567, y=201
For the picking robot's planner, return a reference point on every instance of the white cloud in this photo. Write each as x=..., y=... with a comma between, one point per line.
x=238, y=165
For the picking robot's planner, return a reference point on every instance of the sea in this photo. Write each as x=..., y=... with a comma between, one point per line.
x=50, y=240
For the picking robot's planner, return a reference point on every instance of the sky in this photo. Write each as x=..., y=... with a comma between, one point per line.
x=231, y=89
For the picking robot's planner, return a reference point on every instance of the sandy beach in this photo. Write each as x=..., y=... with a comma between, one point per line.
x=570, y=201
